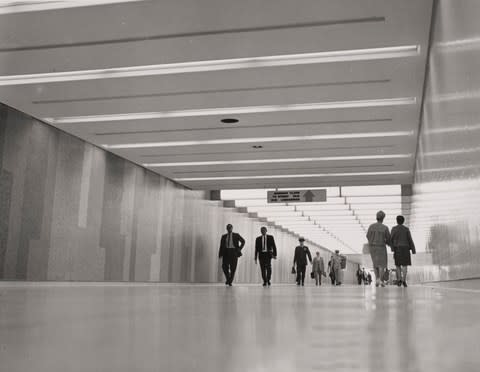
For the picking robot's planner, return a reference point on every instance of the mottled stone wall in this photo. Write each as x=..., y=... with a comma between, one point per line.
x=445, y=218
x=72, y=211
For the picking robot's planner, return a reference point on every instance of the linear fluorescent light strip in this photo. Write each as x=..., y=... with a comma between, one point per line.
x=288, y=160
x=215, y=65
x=233, y=110
x=10, y=7
x=226, y=141
x=274, y=176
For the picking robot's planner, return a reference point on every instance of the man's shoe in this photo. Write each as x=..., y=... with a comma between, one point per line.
x=405, y=284
x=269, y=284
x=230, y=284
x=226, y=283
x=264, y=284
x=303, y=284
x=399, y=283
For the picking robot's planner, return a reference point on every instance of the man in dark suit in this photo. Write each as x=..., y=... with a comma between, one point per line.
x=231, y=245
x=265, y=250
x=300, y=258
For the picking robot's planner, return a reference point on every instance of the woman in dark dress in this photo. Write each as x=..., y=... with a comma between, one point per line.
x=402, y=244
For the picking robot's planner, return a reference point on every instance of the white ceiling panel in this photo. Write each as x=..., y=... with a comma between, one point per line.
x=96, y=43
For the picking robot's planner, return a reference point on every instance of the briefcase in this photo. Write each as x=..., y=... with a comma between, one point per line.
x=312, y=275
x=293, y=270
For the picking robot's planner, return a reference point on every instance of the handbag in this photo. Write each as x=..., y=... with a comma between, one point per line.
x=293, y=270
x=312, y=275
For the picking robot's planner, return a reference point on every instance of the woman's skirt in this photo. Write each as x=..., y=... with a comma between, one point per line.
x=379, y=255
x=402, y=257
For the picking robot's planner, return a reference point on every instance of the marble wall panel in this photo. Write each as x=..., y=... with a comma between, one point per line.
x=445, y=222
x=72, y=211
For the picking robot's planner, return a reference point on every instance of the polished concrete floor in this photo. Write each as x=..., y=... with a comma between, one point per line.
x=134, y=327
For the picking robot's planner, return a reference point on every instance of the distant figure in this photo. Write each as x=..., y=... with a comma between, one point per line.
x=337, y=267
x=402, y=244
x=378, y=237
x=265, y=250
x=359, y=275
x=393, y=277
x=331, y=272
x=369, y=278
x=364, y=276
x=231, y=245
x=386, y=276
x=318, y=268
x=300, y=259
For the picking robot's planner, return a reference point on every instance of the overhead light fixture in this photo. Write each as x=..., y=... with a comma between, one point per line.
x=233, y=110
x=214, y=65
x=229, y=141
x=471, y=43
x=286, y=160
x=9, y=7
x=275, y=176
x=452, y=152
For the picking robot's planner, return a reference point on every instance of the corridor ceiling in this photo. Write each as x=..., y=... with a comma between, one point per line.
x=326, y=92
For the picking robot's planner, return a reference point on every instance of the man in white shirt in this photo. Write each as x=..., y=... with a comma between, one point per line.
x=265, y=250
x=231, y=245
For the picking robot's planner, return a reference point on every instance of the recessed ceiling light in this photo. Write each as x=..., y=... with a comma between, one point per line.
x=285, y=160
x=234, y=110
x=215, y=65
x=225, y=141
x=229, y=120
x=227, y=178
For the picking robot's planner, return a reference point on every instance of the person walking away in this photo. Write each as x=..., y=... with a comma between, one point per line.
x=359, y=275
x=364, y=276
x=265, y=250
x=231, y=245
x=300, y=259
x=386, y=276
x=318, y=268
x=402, y=244
x=337, y=267
x=378, y=237
x=331, y=273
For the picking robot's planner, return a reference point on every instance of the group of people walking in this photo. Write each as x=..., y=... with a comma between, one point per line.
x=231, y=245
x=363, y=277
x=401, y=242
x=378, y=235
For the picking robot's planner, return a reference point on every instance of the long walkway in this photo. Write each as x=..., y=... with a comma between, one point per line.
x=134, y=327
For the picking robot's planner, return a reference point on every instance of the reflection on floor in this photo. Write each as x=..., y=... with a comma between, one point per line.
x=133, y=327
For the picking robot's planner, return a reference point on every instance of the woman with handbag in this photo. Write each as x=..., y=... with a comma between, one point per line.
x=318, y=268
x=331, y=272
x=378, y=237
x=402, y=244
